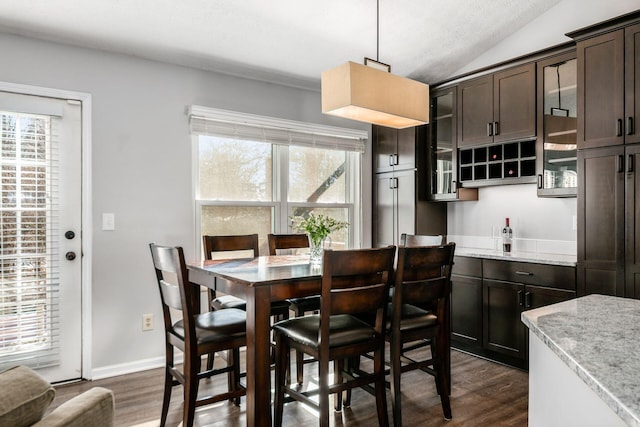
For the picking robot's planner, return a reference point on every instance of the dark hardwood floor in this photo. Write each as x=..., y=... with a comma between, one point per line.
x=483, y=394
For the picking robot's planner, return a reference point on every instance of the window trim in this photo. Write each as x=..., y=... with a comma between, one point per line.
x=280, y=170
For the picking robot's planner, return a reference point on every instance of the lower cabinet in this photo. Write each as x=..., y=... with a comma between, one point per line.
x=486, y=307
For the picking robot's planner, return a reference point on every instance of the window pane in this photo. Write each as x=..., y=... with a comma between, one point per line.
x=228, y=220
x=340, y=238
x=234, y=170
x=316, y=175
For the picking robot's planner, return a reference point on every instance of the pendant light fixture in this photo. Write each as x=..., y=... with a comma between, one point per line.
x=370, y=93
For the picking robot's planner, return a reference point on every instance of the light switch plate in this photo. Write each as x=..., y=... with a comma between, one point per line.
x=108, y=222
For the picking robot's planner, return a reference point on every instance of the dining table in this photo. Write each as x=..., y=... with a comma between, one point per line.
x=259, y=281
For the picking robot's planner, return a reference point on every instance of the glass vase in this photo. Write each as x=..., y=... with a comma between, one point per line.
x=316, y=249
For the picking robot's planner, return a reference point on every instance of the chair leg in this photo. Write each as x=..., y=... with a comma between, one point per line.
x=210, y=360
x=282, y=362
x=441, y=380
x=190, y=393
x=396, y=372
x=234, y=375
x=381, y=398
x=353, y=364
x=168, y=384
x=323, y=393
x=338, y=367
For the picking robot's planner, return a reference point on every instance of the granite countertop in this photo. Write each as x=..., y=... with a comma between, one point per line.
x=533, y=257
x=598, y=338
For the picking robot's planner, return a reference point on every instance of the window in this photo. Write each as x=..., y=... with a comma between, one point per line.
x=254, y=172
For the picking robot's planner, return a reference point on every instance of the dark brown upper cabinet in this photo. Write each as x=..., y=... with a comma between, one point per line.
x=395, y=148
x=497, y=107
x=608, y=87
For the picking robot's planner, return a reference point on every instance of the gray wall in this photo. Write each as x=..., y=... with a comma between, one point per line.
x=142, y=169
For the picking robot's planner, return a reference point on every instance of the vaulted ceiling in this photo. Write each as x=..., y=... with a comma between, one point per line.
x=284, y=41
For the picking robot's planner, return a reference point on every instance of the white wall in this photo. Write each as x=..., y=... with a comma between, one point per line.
x=549, y=29
x=142, y=169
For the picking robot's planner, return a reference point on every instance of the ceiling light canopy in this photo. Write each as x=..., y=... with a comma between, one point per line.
x=371, y=94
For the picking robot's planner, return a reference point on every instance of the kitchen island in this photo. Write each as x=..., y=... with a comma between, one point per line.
x=584, y=362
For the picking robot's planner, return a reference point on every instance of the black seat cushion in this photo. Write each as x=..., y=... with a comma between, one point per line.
x=216, y=325
x=412, y=318
x=311, y=303
x=344, y=329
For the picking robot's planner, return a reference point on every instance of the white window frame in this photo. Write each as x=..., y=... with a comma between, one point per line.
x=280, y=204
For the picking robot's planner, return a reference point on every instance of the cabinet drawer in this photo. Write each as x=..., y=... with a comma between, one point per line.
x=553, y=276
x=467, y=266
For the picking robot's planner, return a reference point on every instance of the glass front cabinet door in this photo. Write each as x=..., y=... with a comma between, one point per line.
x=557, y=126
x=443, y=143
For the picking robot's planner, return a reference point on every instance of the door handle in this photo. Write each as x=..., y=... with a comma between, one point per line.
x=496, y=128
x=539, y=181
x=629, y=125
x=454, y=186
x=527, y=300
x=390, y=159
x=630, y=163
x=489, y=129
x=520, y=302
x=619, y=127
x=620, y=164
x=524, y=273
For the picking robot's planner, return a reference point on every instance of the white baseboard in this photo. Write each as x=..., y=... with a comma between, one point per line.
x=130, y=367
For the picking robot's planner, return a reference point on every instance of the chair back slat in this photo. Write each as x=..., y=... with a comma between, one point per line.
x=286, y=241
x=171, y=295
x=421, y=240
x=246, y=242
x=359, y=299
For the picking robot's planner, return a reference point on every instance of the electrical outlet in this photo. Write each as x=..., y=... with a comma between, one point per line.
x=147, y=322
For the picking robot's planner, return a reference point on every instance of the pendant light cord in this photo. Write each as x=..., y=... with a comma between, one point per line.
x=378, y=30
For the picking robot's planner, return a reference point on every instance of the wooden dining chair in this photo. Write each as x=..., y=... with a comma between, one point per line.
x=242, y=245
x=355, y=285
x=194, y=335
x=302, y=305
x=420, y=311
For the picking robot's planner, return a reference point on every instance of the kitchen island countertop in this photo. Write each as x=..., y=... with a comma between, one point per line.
x=598, y=338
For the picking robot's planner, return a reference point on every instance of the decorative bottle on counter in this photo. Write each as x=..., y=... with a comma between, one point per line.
x=507, y=235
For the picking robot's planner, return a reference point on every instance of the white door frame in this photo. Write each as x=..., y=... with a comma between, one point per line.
x=87, y=224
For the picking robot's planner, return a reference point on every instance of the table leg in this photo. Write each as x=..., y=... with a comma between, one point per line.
x=258, y=356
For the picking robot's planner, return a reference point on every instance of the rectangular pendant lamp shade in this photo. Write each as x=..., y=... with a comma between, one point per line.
x=366, y=94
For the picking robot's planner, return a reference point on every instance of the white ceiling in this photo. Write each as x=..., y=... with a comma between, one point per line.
x=284, y=41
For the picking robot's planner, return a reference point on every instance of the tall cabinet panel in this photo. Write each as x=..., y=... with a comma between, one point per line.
x=401, y=182
x=608, y=185
x=601, y=221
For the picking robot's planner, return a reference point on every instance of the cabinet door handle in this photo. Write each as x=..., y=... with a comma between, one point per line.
x=629, y=125
x=527, y=300
x=620, y=164
x=539, y=181
x=520, y=302
x=630, y=163
x=524, y=273
x=394, y=183
x=390, y=183
x=454, y=186
x=390, y=159
x=496, y=128
x=489, y=129
x=395, y=159
x=619, y=127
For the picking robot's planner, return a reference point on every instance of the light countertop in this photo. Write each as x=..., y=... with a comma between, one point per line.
x=598, y=338
x=533, y=257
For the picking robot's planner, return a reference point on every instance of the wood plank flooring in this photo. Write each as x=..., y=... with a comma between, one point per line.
x=483, y=394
